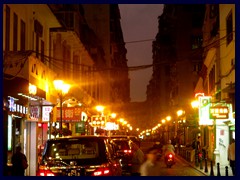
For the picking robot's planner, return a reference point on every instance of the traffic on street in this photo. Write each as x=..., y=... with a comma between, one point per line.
x=86, y=156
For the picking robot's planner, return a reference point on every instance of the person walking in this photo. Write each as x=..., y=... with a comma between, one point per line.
x=196, y=145
x=137, y=160
x=231, y=155
x=151, y=167
x=19, y=162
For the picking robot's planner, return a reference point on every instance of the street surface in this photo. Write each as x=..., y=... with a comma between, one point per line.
x=181, y=168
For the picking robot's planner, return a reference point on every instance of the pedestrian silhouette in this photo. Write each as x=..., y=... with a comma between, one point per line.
x=231, y=155
x=137, y=159
x=19, y=162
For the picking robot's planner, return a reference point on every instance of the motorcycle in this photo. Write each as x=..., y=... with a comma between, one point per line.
x=169, y=160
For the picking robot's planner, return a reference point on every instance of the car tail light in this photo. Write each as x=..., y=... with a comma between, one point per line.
x=43, y=172
x=127, y=151
x=103, y=171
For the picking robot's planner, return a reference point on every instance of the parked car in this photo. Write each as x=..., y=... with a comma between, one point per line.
x=135, y=139
x=79, y=156
x=124, y=152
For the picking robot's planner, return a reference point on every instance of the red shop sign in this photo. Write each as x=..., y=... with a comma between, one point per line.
x=69, y=114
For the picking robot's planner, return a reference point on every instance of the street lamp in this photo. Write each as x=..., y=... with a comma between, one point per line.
x=168, y=118
x=100, y=109
x=195, y=105
x=163, y=130
x=62, y=89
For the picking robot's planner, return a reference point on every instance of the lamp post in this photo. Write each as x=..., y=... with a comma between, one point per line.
x=62, y=89
x=163, y=130
x=168, y=118
x=195, y=105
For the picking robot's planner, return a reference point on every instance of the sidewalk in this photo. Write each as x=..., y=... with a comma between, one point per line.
x=207, y=171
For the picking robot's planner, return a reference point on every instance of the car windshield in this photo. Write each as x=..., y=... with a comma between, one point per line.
x=122, y=144
x=73, y=149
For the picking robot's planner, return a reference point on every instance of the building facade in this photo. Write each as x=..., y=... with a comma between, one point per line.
x=217, y=79
x=27, y=87
x=177, y=59
x=37, y=52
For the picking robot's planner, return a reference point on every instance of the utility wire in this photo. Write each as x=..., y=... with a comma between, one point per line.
x=52, y=61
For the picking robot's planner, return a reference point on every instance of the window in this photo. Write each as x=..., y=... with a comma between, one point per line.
x=212, y=79
x=76, y=67
x=15, y=32
x=197, y=67
x=196, y=42
x=37, y=45
x=42, y=51
x=23, y=36
x=229, y=24
x=213, y=11
x=38, y=29
x=7, y=29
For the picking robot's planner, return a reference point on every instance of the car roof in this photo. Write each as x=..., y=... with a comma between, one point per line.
x=123, y=136
x=80, y=137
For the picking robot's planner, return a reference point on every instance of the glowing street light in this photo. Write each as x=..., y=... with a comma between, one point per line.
x=168, y=118
x=180, y=112
x=113, y=115
x=100, y=108
x=195, y=104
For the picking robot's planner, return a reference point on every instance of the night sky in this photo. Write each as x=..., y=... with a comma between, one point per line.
x=139, y=23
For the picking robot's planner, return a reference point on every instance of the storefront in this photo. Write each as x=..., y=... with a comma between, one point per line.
x=15, y=113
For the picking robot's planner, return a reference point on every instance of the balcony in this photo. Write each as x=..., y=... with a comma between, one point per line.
x=70, y=20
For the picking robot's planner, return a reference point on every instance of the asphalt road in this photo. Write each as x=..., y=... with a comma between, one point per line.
x=180, y=168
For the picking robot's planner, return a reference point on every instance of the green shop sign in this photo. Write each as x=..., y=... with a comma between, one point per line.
x=80, y=127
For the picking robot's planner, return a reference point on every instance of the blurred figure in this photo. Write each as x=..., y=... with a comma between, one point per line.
x=158, y=145
x=19, y=162
x=151, y=166
x=231, y=155
x=137, y=160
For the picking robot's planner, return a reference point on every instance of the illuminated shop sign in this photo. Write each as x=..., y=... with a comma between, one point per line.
x=34, y=113
x=46, y=113
x=14, y=107
x=69, y=114
x=220, y=112
x=204, y=106
x=98, y=121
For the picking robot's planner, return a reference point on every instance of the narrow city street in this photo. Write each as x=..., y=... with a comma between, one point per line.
x=86, y=85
